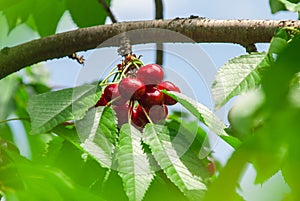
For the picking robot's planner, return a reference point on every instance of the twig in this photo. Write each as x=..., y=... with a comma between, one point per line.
x=108, y=11
x=159, y=14
x=198, y=30
x=78, y=58
x=250, y=48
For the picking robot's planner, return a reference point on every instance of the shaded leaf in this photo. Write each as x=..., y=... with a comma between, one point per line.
x=293, y=7
x=21, y=179
x=278, y=5
x=8, y=86
x=133, y=165
x=46, y=15
x=87, y=13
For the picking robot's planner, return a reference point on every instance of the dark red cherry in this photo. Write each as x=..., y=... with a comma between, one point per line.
x=169, y=86
x=150, y=74
x=139, y=119
x=131, y=88
x=111, y=92
x=102, y=101
x=121, y=113
x=157, y=113
x=152, y=96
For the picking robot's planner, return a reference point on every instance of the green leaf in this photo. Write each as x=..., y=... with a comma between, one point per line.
x=17, y=12
x=133, y=164
x=279, y=41
x=188, y=140
x=88, y=13
x=99, y=131
x=47, y=14
x=50, y=109
x=8, y=87
x=233, y=141
x=6, y=132
x=293, y=7
x=278, y=5
x=236, y=76
x=167, y=157
x=163, y=189
x=21, y=179
x=203, y=114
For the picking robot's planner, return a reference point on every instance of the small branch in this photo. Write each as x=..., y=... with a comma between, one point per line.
x=250, y=48
x=78, y=58
x=108, y=11
x=159, y=14
x=159, y=9
x=197, y=30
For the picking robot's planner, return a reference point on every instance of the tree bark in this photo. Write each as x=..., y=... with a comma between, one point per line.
x=197, y=29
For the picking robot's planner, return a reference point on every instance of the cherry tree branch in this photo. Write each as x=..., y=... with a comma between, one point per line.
x=200, y=30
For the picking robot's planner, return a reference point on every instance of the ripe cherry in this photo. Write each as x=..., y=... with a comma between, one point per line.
x=111, y=92
x=139, y=119
x=152, y=96
x=131, y=88
x=150, y=74
x=102, y=101
x=121, y=113
x=157, y=113
x=169, y=86
x=211, y=166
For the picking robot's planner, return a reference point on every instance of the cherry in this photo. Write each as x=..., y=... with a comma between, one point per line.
x=131, y=88
x=157, y=113
x=150, y=74
x=102, y=101
x=211, y=166
x=139, y=119
x=111, y=92
x=121, y=113
x=152, y=96
x=169, y=86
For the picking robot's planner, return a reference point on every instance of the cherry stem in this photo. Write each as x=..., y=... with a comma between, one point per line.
x=131, y=103
x=145, y=112
x=115, y=99
x=108, y=76
x=105, y=84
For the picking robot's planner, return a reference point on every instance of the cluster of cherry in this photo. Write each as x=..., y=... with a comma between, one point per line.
x=137, y=98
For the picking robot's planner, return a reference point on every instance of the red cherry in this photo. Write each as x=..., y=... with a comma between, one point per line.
x=169, y=86
x=121, y=113
x=111, y=92
x=211, y=166
x=152, y=96
x=131, y=88
x=157, y=113
x=102, y=101
x=150, y=74
x=139, y=119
